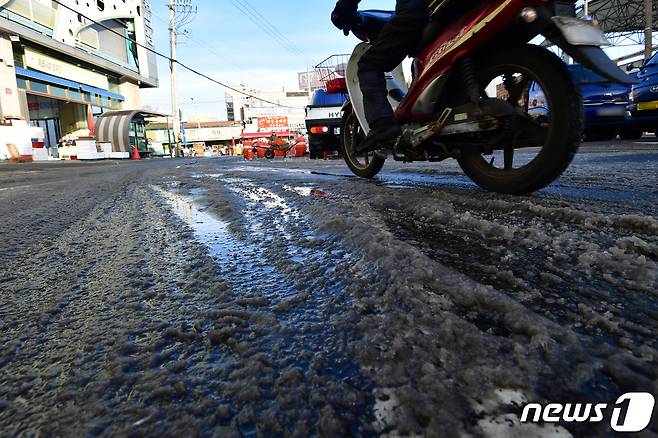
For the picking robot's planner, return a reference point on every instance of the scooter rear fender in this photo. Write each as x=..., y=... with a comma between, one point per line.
x=395, y=82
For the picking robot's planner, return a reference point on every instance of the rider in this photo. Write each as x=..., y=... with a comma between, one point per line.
x=399, y=38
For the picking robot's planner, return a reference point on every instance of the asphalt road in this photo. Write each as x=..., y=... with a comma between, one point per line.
x=219, y=297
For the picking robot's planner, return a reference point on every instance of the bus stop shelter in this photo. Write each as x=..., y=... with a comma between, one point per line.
x=125, y=129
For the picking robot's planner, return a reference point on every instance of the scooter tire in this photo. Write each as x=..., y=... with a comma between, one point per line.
x=564, y=134
x=373, y=164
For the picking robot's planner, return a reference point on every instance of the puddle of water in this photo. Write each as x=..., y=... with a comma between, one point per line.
x=411, y=180
x=307, y=191
x=206, y=227
x=302, y=329
x=241, y=257
x=207, y=175
x=261, y=169
x=302, y=191
x=288, y=216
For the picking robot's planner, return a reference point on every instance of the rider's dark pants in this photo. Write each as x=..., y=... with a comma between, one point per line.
x=398, y=39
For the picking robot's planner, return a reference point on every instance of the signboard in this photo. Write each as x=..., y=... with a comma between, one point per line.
x=148, y=24
x=61, y=69
x=272, y=122
x=212, y=134
x=314, y=75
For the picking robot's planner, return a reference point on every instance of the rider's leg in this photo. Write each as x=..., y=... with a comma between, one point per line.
x=398, y=39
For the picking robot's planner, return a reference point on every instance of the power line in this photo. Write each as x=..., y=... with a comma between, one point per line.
x=190, y=69
x=273, y=28
x=215, y=52
x=255, y=17
x=211, y=50
x=199, y=102
x=262, y=26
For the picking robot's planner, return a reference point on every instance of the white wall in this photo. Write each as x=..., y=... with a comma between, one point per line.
x=132, y=94
x=9, y=97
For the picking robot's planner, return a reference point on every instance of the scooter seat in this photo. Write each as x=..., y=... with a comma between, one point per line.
x=376, y=15
x=370, y=23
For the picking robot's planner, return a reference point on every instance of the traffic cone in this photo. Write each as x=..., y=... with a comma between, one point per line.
x=136, y=156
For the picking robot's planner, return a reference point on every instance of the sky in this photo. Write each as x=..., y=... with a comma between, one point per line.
x=242, y=52
x=229, y=46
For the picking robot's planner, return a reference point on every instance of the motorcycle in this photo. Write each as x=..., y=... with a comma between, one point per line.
x=468, y=98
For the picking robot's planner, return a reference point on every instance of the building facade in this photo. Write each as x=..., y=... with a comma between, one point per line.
x=290, y=105
x=57, y=68
x=208, y=132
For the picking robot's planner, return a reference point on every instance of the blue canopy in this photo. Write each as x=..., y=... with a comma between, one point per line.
x=43, y=77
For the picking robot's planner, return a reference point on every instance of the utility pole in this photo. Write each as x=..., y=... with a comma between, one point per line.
x=181, y=13
x=648, y=30
x=172, y=66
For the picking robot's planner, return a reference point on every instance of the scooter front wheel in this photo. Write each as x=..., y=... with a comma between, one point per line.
x=538, y=147
x=365, y=165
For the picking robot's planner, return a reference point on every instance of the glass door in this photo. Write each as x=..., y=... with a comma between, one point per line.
x=52, y=133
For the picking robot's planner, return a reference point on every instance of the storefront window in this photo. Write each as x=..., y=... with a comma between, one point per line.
x=39, y=11
x=75, y=95
x=131, y=45
x=21, y=7
x=38, y=87
x=58, y=91
x=41, y=108
x=87, y=97
x=105, y=101
x=21, y=83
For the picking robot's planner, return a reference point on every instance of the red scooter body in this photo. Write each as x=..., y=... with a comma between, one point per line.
x=445, y=114
x=460, y=39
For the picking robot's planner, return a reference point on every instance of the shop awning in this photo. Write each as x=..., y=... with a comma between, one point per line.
x=101, y=92
x=49, y=79
x=114, y=127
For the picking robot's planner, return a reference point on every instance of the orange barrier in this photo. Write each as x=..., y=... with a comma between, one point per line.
x=300, y=150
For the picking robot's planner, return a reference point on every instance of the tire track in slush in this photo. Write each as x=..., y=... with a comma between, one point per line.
x=274, y=267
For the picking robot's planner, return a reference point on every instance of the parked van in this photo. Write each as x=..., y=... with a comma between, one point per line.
x=605, y=105
x=643, y=107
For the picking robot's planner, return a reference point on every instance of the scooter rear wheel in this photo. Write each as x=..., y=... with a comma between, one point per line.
x=523, y=171
x=365, y=165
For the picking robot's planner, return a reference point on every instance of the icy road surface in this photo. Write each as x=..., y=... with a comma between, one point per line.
x=230, y=298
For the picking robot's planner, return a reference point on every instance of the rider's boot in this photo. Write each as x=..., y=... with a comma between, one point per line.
x=383, y=134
